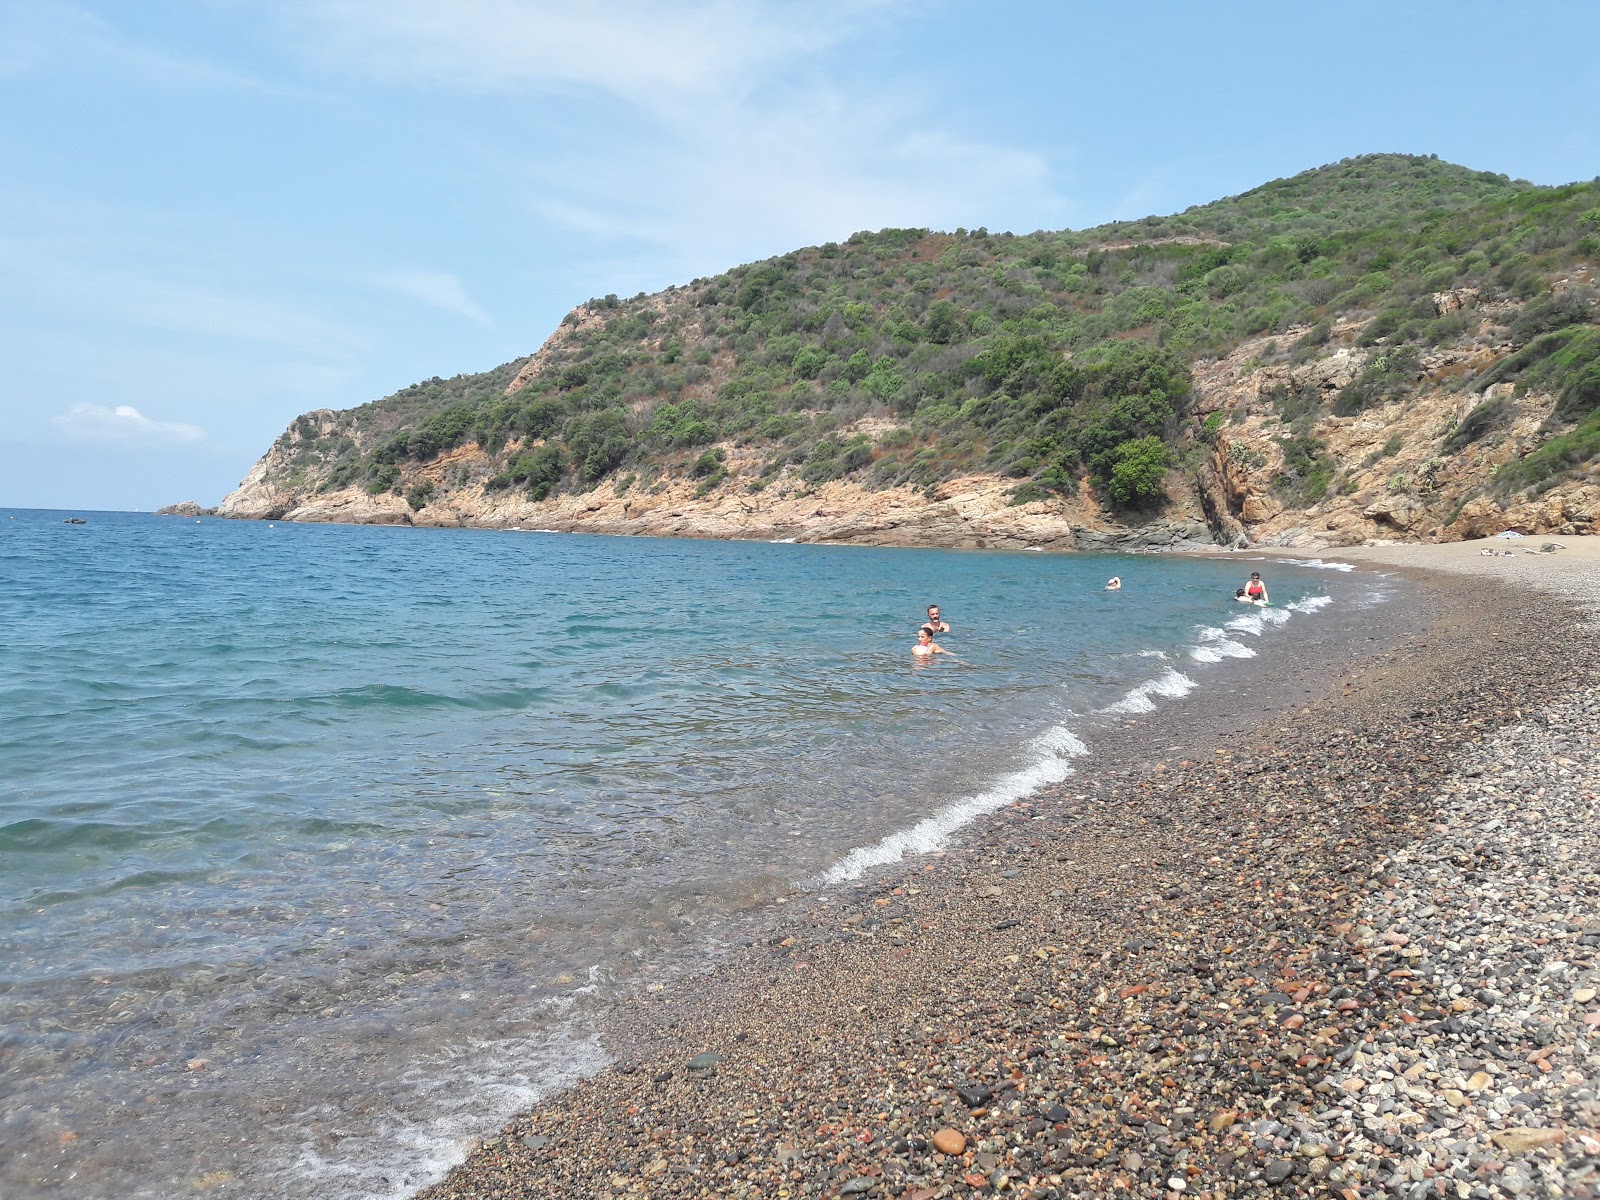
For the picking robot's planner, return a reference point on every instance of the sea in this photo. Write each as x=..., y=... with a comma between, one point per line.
x=324, y=849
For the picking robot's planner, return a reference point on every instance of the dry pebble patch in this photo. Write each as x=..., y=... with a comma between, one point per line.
x=1497, y=916
x=1303, y=963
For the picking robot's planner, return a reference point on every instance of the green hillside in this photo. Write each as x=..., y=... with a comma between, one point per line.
x=1047, y=357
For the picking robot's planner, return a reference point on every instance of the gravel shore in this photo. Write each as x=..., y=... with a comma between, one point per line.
x=1351, y=951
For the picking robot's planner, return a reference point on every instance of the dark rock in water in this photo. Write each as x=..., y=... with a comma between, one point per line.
x=1278, y=1170
x=185, y=508
x=74, y=521
x=704, y=1062
x=973, y=1094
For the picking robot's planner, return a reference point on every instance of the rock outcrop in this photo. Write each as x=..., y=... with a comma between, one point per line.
x=185, y=508
x=1387, y=473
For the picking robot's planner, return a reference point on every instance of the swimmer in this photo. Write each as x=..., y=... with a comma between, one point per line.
x=1256, y=590
x=1114, y=584
x=933, y=624
x=1244, y=599
x=926, y=647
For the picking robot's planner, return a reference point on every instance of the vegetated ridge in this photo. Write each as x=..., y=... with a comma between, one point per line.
x=1386, y=347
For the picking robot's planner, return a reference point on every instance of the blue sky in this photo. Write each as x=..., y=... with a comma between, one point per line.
x=217, y=214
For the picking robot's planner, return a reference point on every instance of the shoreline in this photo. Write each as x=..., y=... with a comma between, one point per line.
x=1067, y=987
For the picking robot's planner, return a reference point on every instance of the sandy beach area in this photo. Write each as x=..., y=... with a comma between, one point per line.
x=1338, y=934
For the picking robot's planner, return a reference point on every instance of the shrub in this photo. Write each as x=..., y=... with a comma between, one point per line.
x=1138, y=473
x=538, y=471
x=1307, y=470
x=1570, y=307
x=1554, y=460
x=1484, y=417
x=710, y=462
x=384, y=477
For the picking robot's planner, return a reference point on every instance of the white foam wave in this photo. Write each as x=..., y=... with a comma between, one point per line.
x=1311, y=604
x=781, y=542
x=474, y=1089
x=1051, y=753
x=1255, y=623
x=1169, y=685
x=1216, y=646
x=1250, y=623
x=1317, y=564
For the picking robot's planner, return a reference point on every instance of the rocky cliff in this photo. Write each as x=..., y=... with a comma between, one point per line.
x=1397, y=480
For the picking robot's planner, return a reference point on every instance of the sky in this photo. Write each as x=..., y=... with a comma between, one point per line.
x=218, y=214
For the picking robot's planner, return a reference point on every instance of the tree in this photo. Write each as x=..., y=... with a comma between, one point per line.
x=1138, y=473
x=944, y=326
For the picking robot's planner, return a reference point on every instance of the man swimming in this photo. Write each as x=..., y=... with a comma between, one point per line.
x=933, y=624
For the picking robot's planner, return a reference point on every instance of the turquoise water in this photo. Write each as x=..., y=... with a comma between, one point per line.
x=318, y=844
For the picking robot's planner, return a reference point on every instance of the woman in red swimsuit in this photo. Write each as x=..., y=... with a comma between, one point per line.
x=1257, y=590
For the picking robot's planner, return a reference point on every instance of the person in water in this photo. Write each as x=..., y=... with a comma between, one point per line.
x=926, y=647
x=1114, y=584
x=1256, y=590
x=1244, y=599
x=933, y=624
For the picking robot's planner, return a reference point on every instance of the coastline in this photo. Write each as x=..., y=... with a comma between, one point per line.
x=1183, y=986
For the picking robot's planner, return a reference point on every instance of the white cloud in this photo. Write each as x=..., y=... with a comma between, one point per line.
x=762, y=179
x=47, y=37
x=638, y=49
x=124, y=423
x=436, y=289
x=731, y=140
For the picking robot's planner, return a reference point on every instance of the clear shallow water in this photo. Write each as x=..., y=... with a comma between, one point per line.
x=318, y=843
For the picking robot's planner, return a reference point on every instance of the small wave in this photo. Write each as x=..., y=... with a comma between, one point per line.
x=1052, y=750
x=781, y=542
x=1254, y=623
x=467, y=1091
x=1215, y=645
x=1311, y=604
x=388, y=695
x=1317, y=564
x=1169, y=686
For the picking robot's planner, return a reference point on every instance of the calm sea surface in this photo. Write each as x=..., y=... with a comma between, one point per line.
x=319, y=844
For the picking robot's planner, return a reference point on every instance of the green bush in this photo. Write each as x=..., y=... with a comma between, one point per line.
x=1307, y=470
x=383, y=477
x=1483, y=418
x=1555, y=460
x=1138, y=473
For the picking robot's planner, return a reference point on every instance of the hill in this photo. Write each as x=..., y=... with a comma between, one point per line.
x=1216, y=373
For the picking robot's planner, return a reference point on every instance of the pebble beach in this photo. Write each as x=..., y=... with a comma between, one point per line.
x=1346, y=946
